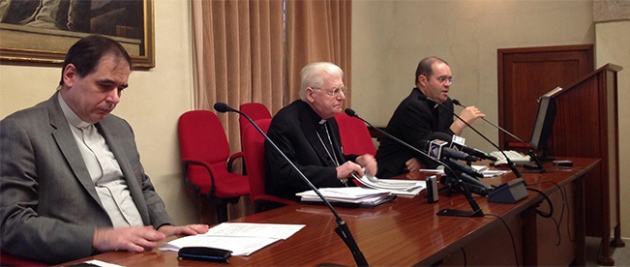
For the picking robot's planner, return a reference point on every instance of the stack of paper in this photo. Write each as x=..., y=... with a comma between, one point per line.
x=395, y=186
x=350, y=196
x=242, y=239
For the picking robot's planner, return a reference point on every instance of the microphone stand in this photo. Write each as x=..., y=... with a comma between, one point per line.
x=462, y=187
x=529, y=150
x=510, y=163
x=447, y=171
x=342, y=228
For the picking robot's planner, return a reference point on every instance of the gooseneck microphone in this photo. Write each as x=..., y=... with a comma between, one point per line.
x=452, y=182
x=529, y=150
x=342, y=228
x=510, y=163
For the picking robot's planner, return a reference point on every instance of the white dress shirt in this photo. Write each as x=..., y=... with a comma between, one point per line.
x=104, y=170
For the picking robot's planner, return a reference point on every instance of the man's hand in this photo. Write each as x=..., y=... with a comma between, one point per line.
x=191, y=229
x=413, y=165
x=369, y=163
x=345, y=170
x=470, y=114
x=135, y=239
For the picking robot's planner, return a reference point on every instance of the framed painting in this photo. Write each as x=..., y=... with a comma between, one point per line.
x=42, y=31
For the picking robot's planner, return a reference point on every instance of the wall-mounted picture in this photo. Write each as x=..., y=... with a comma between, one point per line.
x=41, y=31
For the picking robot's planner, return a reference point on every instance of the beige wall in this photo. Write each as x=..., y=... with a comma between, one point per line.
x=390, y=37
x=151, y=104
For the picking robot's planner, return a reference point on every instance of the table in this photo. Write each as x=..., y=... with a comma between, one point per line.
x=404, y=232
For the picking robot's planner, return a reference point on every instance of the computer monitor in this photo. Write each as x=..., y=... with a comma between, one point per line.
x=543, y=126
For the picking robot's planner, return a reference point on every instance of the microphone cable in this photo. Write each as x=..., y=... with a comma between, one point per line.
x=565, y=206
x=546, y=197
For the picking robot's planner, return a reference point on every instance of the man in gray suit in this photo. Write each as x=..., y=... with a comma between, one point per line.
x=71, y=182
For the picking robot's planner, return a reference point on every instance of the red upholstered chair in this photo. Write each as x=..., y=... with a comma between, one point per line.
x=355, y=136
x=7, y=259
x=254, y=152
x=205, y=154
x=255, y=111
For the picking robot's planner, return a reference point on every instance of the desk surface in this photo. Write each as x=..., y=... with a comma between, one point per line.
x=402, y=233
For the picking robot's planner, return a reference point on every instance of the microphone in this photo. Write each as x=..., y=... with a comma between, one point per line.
x=352, y=113
x=477, y=212
x=510, y=163
x=463, y=168
x=476, y=186
x=447, y=152
x=437, y=150
x=222, y=107
x=452, y=153
x=466, y=149
x=342, y=228
x=529, y=150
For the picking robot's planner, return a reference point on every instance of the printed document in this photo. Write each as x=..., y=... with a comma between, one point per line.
x=242, y=239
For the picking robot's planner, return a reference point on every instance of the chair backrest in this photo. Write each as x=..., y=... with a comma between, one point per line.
x=355, y=136
x=254, y=153
x=202, y=138
x=255, y=111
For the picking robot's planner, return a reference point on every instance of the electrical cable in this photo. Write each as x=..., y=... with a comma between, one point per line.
x=511, y=236
x=540, y=212
x=565, y=206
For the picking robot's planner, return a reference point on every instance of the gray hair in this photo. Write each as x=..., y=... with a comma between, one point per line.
x=311, y=75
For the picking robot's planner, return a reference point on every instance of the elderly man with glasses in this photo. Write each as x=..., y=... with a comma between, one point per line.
x=418, y=116
x=306, y=131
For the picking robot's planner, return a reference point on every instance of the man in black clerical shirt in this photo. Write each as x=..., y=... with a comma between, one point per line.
x=307, y=132
x=418, y=116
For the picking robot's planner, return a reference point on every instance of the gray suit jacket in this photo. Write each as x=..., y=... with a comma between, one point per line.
x=49, y=208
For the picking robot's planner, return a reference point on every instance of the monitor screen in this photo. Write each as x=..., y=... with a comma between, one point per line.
x=543, y=126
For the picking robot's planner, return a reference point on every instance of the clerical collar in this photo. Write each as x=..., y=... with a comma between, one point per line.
x=435, y=104
x=312, y=114
x=71, y=117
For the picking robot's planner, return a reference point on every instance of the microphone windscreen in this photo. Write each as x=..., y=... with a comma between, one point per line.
x=456, y=102
x=221, y=107
x=351, y=112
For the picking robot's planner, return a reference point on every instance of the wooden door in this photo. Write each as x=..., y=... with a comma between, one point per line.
x=526, y=74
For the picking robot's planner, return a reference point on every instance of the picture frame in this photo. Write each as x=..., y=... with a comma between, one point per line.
x=42, y=31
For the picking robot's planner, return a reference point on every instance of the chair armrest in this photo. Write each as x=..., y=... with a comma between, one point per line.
x=233, y=157
x=190, y=161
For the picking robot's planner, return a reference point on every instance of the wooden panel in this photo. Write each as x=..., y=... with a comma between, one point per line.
x=585, y=125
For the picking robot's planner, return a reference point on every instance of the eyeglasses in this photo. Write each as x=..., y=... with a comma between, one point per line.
x=334, y=92
x=444, y=79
